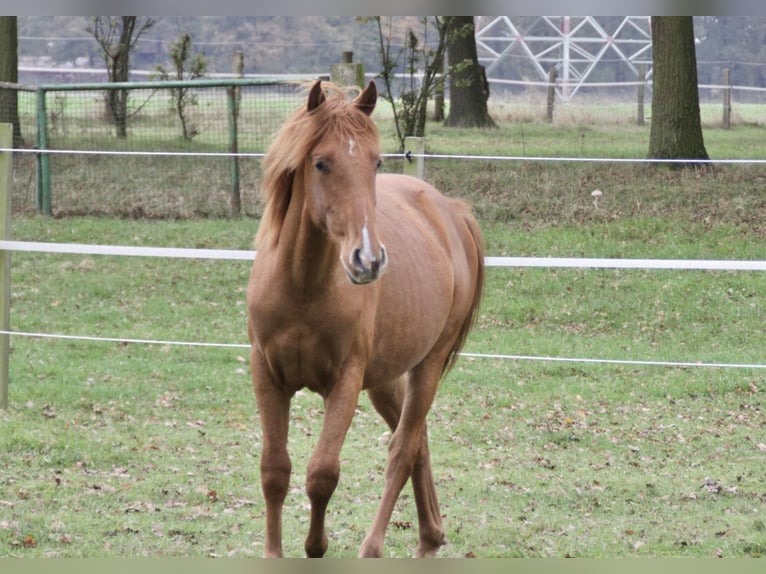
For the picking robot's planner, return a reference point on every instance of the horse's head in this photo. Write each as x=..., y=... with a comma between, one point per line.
x=340, y=180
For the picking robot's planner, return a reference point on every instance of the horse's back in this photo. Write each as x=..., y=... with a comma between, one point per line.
x=415, y=213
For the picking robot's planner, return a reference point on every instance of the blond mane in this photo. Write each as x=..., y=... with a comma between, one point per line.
x=337, y=117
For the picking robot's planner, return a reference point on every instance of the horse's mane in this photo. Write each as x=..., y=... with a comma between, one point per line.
x=338, y=117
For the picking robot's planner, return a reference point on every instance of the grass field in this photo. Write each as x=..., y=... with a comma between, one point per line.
x=122, y=449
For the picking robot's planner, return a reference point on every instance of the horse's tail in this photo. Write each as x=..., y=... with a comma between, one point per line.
x=475, y=250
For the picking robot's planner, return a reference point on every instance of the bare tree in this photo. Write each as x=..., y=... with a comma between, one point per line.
x=117, y=37
x=469, y=89
x=420, y=65
x=185, y=67
x=676, y=129
x=9, y=72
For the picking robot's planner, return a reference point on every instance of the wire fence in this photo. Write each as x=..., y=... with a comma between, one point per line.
x=199, y=121
x=206, y=116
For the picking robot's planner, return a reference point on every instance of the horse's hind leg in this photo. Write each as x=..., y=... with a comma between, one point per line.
x=388, y=400
x=431, y=532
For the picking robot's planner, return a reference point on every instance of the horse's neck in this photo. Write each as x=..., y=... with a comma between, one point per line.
x=310, y=258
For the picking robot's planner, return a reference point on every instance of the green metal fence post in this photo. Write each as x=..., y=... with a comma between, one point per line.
x=43, y=167
x=6, y=141
x=235, y=201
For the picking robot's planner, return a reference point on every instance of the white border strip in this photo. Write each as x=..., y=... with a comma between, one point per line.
x=594, y=263
x=95, y=339
x=680, y=364
x=123, y=250
x=126, y=153
x=408, y=155
x=246, y=255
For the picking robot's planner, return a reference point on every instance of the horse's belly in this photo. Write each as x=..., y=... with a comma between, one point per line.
x=409, y=325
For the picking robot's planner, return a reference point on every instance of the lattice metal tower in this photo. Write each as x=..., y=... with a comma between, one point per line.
x=575, y=45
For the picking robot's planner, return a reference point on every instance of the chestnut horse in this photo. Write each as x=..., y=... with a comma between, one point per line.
x=331, y=309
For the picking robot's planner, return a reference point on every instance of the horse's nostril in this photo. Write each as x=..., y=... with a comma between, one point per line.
x=357, y=259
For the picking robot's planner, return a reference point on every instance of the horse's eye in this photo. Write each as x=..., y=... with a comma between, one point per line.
x=378, y=164
x=322, y=166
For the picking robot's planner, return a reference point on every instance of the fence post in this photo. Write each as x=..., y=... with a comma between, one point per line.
x=233, y=94
x=6, y=141
x=640, y=120
x=42, y=165
x=239, y=71
x=551, y=94
x=235, y=199
x=726, y=123
x=347, y=73
x=414, y=165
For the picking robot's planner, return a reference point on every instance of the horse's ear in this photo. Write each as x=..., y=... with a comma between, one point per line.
x=366, y=100
x=316, y=96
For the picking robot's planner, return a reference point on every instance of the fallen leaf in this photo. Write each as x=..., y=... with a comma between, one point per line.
x=29, y=541
x=65, y=539
x=711, y=486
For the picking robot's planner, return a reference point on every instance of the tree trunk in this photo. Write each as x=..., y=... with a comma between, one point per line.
x=469, y=89
x=9, y=72
x=120, y=72
x=676, y=130
x=117, y=36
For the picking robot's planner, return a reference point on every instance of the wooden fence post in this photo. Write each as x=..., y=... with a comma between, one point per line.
x=414, y=165
x=6, y=141
x=640, y=119
x=347, y=73
x=726, y=123
x=551, y=94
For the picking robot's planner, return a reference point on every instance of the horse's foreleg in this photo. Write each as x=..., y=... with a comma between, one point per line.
x=274, y=408
x=408, y=455
x=324, y=467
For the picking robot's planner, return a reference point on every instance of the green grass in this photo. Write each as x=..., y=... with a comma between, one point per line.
x=115, y=449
